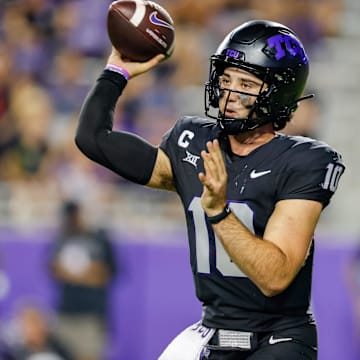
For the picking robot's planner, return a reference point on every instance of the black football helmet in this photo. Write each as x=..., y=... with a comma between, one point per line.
x=274, y=54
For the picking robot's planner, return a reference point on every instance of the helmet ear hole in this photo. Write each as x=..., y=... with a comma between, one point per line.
x=211, y=97
x=214, y=100
x=212, y=90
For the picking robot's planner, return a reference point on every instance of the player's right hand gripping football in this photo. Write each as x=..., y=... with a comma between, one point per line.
x=132, y=67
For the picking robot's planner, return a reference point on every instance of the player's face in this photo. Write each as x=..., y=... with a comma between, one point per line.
x=244, y=88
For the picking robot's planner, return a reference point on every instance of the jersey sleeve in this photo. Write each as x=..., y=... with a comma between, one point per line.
x=166, y=141
x=170, y=140
x=313, y=175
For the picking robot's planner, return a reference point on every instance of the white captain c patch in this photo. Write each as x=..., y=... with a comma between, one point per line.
x=184, y=138
x=188, y=344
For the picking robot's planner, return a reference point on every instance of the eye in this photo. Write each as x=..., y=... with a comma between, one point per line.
x=224, y=81
x=246, y=85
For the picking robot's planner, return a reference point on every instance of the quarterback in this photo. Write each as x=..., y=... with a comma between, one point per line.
x=252, y=196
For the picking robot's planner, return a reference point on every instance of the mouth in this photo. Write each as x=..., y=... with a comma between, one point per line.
x=231, y=113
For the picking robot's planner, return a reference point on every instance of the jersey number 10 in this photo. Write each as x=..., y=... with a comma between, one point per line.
x=222, y=261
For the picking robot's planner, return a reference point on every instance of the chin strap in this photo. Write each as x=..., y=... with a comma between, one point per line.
x=310, y=96
x=236, y=126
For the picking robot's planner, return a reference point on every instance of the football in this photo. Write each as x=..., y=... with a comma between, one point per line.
x=140, y=29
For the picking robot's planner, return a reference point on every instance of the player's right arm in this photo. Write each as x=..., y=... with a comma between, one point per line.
x=127, y=154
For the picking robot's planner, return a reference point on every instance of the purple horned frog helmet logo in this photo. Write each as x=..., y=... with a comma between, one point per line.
x=281, y=45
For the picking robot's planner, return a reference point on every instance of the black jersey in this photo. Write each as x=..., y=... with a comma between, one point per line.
x=287, y=167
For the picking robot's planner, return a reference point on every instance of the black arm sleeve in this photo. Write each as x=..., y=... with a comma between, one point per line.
x=126, y=154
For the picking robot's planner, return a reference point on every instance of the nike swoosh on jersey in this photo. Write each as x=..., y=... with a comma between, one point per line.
x=255, y=174
x=273, y=341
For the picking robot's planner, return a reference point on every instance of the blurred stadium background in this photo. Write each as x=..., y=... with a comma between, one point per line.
x=51, y=51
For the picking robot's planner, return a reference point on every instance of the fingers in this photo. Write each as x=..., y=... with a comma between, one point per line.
x=215, y=153
x=147, y=65
x=213, y=179
x=115, y=58
x=155, y=60
x=214, y=166
x=132, y=67
x=213, y=160
x=202, y=178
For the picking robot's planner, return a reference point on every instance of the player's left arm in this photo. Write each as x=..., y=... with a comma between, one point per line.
x=271, y=262
x=285, y=245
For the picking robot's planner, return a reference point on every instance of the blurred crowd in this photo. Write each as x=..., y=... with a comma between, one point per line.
x=51, y=51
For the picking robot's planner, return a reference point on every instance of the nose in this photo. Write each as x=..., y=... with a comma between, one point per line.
x=231, y=94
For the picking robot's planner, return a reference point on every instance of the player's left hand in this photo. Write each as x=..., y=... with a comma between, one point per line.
x=214, y=180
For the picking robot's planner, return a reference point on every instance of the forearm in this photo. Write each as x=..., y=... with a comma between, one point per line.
x=261, y=260
x=96, y=116
x=126, y=154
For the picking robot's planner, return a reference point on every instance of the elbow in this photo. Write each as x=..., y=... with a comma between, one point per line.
x=87, y=144
x=275, y=287
x=79, y=142
x=83, y=143
x=271, y=292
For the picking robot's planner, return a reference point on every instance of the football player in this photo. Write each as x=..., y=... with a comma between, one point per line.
x=252, y=197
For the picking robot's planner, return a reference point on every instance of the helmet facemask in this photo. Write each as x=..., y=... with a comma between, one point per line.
x=214, y=92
